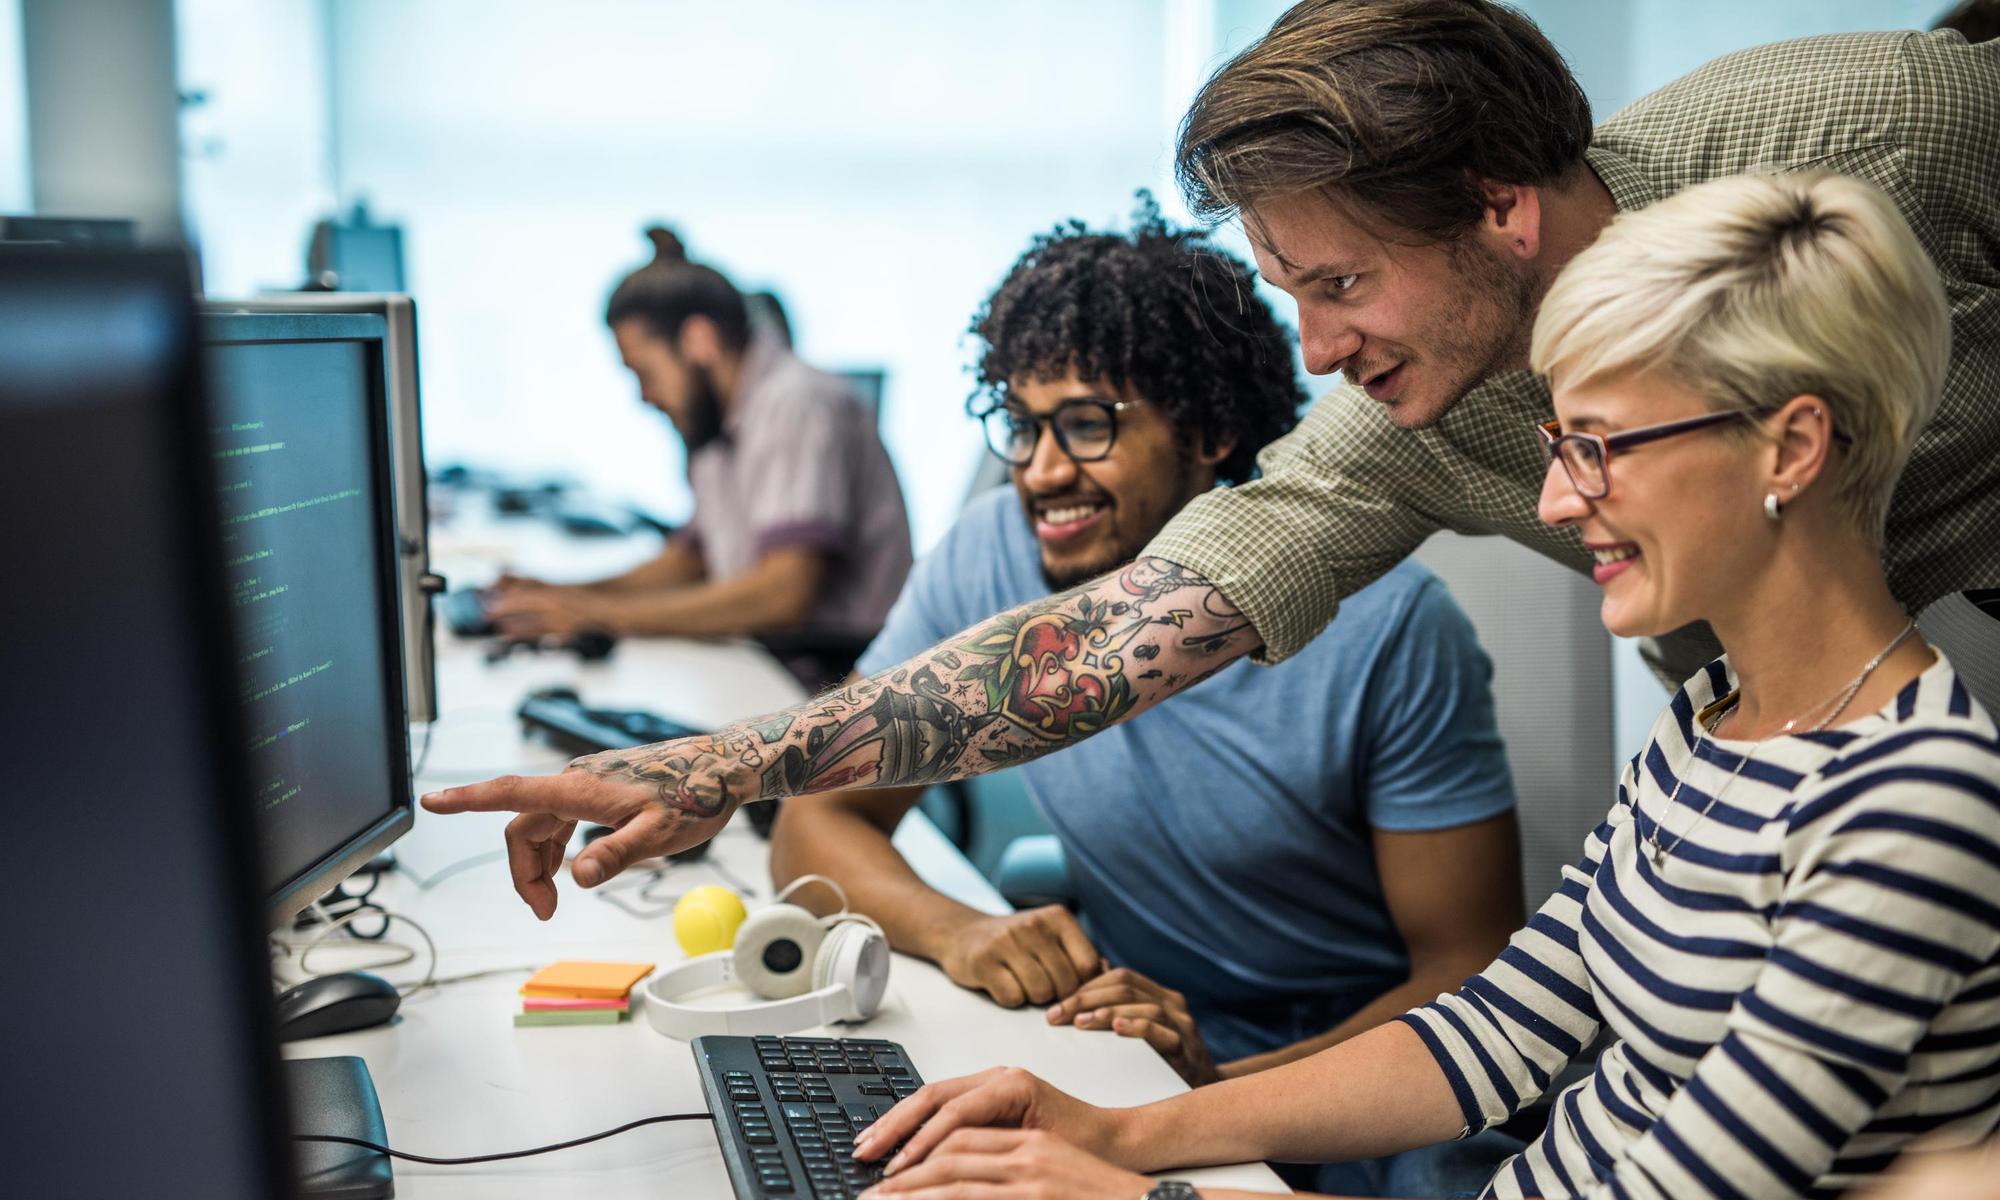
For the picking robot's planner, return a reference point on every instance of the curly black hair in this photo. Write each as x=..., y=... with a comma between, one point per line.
x=1160, y=310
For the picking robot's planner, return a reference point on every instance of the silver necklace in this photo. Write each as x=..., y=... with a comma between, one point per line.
x=1839, y=701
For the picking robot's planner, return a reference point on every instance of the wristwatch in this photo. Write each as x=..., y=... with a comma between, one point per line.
x=1172, y=1189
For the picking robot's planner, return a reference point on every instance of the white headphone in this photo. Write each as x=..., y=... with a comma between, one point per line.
x=807, y=970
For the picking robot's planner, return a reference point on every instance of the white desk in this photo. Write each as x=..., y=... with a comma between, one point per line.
x=455, y=1077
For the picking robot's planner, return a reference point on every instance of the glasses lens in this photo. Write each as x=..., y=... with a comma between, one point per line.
x=1010, y=434
x=1087, y=430
x=1585, y=464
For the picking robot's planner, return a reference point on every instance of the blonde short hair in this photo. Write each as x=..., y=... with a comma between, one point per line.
x=1754, y=289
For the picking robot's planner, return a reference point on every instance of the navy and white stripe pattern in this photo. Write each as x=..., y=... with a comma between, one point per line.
x=1812, y=980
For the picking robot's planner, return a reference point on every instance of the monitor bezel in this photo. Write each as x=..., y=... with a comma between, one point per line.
x=291, y=896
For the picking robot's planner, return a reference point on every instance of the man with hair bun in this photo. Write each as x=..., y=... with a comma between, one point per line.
x=799, y=533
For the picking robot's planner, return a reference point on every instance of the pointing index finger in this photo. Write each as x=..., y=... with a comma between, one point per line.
x=555, y=794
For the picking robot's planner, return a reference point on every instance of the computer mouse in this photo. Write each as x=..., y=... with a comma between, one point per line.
x=335, y=1004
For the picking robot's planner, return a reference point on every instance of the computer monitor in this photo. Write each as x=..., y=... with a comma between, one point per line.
x=867, y=384
x=138, y=1042
x=299, y=424
x=356, y=255
x=406, y=444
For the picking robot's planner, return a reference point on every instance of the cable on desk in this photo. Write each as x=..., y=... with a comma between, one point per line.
x=417, y=768
x=484, y=1158
x=332, y=925
x=427, y=882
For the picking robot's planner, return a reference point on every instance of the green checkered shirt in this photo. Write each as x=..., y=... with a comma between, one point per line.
x=1347, y=495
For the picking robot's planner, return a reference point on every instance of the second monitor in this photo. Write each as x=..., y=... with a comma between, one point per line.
x=301, y=452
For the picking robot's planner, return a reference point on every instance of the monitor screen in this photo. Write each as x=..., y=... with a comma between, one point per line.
x=301, y=451
x=138, y=1039
x=406, y=442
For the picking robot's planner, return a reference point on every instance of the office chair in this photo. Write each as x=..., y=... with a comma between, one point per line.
x=1551, y=690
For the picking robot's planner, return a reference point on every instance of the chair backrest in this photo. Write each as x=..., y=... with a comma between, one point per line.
x=1971, y=640
x=1551, y=690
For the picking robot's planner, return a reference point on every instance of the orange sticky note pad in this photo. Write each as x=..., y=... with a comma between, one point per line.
x=586, y=979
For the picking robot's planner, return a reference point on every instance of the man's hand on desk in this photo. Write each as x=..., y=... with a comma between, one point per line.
x=1131, y=1005
x=1030, y=957
x=658, y=799
x=537, y=610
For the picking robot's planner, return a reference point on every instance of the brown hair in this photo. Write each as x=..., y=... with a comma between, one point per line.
x=1395, y=107
x=667, y=291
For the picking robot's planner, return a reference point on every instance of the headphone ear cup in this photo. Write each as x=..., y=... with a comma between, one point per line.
x=856, y=957
x=777, y=951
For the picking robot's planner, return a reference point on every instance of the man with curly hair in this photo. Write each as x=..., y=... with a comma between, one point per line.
x=1372, y=866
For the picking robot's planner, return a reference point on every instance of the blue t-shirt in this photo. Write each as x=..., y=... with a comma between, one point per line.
x=1220, y=842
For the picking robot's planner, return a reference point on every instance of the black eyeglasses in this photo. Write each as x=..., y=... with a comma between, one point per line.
x=1085, y=428
x=1586, y=457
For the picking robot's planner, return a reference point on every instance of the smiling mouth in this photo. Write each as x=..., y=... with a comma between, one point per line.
x=1611, y=561
x=1058, y=522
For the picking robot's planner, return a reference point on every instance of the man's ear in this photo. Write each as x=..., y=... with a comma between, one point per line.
x=1213, y=449
x=699, y=342
x=1510, y=220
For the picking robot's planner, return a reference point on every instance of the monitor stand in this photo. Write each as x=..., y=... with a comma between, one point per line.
x=336, y=1096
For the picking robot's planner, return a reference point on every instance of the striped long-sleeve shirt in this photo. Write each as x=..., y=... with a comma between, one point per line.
x=1811, y=979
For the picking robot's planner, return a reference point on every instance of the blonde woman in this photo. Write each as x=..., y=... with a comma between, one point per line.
x=1789, y=921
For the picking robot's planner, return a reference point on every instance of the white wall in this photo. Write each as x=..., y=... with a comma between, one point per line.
x=878, y=164
x=15, y=193
x=100, y=87
x=256, y=147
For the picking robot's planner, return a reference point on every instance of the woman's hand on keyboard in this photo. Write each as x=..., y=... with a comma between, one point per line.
x=1003, y=1096
x=1030, y=1164
x=657, y=799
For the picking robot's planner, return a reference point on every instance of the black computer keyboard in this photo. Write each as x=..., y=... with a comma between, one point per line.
x=561, y=718
x=787, y=1110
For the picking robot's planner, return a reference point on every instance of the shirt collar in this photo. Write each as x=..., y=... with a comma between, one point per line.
x=761, y=359
x=1629, y=187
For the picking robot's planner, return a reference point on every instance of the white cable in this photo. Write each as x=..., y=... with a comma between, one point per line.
x=802, y=880
x=281, y=947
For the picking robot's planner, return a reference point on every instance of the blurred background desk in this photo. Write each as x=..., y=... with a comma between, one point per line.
x=455, y=1077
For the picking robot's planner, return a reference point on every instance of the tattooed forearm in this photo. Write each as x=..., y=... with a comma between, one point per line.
x=1010, y=689
x=704, y=775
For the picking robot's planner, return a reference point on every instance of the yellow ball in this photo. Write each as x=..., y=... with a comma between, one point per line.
x=705, y=919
